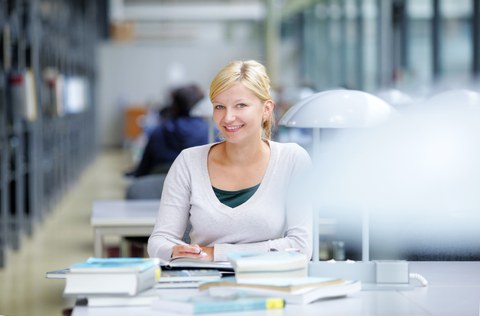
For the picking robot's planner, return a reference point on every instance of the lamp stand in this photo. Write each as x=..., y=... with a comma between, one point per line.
x=374, y=275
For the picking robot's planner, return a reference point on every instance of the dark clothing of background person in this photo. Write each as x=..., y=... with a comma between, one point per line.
x=177, y=132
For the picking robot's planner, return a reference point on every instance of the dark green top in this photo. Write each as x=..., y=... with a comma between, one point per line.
x=235, y=198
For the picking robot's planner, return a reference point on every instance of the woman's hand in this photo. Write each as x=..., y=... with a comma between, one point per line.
x=193, y=251
x=208, y=251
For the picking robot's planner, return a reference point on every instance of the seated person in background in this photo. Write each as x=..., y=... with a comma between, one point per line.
x=177, y=131
x=236, y=193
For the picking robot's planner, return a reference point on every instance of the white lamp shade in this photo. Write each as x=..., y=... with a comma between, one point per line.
x=394, y=97
x=455, y=98
x=338, y=109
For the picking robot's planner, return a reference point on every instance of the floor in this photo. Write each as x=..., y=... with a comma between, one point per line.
x=65, y=236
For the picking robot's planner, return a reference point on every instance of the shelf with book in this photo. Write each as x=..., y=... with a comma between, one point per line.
x=4, y=214
x=15, y=99
x=41, y=152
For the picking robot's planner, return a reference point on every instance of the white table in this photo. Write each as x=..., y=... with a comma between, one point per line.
x=122, y=218
x=454, y=289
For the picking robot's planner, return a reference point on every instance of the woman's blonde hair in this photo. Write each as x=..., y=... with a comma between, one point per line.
x=253, y=76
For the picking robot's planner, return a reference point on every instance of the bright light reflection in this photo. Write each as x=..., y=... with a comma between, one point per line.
x=418, y=177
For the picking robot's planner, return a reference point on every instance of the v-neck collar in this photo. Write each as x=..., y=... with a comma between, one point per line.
x=210, y=194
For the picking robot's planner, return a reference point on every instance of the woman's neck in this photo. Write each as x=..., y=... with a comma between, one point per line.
x=246, y=153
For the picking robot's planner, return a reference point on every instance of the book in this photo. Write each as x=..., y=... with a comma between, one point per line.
x=189, y=275
x=202, y=304
x=277, y=284
x=57, y=274
x=192, y=263
x=186, y=278
x=109, y=276
x=293, y=290
x=144, y=298
x=116, y=265
x=268, y=264
x=178, y=285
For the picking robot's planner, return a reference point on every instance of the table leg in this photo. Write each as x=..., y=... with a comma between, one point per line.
x=98, y=244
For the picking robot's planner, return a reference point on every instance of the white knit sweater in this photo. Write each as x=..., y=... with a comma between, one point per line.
x=274, y=217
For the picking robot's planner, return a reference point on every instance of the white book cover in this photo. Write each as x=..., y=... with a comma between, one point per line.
x=268, y=261
x=144, y=298
x=121, y=283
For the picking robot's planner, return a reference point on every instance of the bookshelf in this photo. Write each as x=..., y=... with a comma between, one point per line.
x=3, y=170
x=43, y=146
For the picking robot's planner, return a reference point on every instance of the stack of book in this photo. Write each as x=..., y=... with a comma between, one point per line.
x=274, y=264
x=122, y=277
x=303, y=290
x=277, y=273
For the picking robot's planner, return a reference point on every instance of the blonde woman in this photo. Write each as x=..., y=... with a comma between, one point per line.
x=235, y=193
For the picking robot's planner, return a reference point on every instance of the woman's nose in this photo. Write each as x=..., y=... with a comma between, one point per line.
x=229, y=115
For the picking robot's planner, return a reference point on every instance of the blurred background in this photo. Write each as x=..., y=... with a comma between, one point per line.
x=82, y=83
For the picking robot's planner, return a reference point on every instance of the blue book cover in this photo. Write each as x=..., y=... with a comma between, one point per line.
x=202, y=304
x=105, y=265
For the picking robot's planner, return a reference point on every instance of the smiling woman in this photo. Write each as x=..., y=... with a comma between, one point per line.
x=235, y=193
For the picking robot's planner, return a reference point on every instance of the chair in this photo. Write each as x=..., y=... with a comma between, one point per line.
x=146, y=187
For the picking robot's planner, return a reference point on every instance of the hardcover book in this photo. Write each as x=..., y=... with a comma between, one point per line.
x=293, y=290
x=202, y=304
x=119, y=283
x=109, y=276
x=144, y=298
x=275, y=264
x=114, y=265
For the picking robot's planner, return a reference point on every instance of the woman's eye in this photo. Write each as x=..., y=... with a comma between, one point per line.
x=241, y=105
x=218, y=107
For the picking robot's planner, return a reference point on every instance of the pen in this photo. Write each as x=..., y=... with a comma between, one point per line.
x=181, y=242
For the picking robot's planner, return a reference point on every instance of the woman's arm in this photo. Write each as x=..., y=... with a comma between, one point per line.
x=173, y=213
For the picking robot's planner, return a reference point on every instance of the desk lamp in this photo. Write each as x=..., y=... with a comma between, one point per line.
x=342, y=108
x=395, y=97
x=450, y=99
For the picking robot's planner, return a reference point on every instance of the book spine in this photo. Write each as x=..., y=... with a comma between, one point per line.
x=147, y=279
x=240, y=305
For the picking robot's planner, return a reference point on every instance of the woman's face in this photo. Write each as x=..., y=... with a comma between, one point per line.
x=239, y=113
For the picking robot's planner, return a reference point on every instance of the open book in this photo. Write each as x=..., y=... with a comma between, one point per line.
x=186, y=278
x=192, y=263
x=294, y=290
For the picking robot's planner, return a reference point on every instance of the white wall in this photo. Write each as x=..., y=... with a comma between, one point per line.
x=138, y=73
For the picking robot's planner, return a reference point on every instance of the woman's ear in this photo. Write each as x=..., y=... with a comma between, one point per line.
x=268, y=108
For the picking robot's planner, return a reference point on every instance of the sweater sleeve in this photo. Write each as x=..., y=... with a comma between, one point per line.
x=173, y=213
